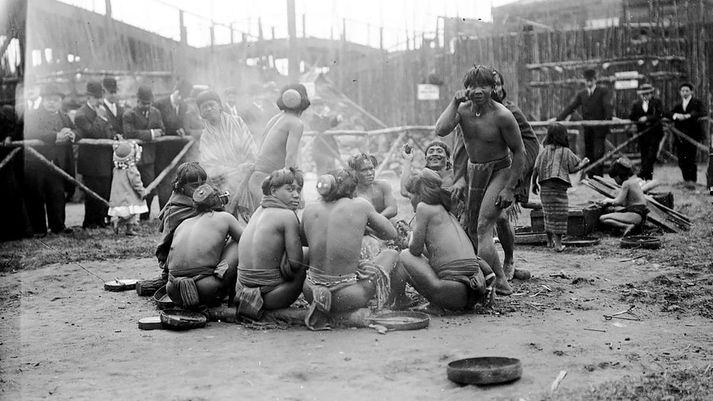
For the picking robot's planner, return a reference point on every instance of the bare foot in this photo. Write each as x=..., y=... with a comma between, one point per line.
x=628, y=230
x=502, y=287
x=560, y=248
x=509, y=268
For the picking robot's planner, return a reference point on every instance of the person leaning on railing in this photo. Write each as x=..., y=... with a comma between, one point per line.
x=144, y=122
x=44, y=189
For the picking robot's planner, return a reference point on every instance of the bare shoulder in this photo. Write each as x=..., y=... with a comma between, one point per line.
x=382, y=184
x=426, y=210
x=224, y=216
x=362, y=204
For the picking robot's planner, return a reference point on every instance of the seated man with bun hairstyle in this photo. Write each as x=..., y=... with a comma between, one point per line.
x=440, y=262
x=189, y=176
x=281, y=139
x=271, y=273
x=196, y=275
x=338, y=280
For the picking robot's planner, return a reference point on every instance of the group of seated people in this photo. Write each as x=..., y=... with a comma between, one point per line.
x=207, y=255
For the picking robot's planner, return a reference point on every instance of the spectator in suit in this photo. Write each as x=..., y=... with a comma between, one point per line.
x=94, y=161
x=115, y=111
x=647, y=112
x=173, y=110
x=595, y=102
x=144, y=122
x=45, y=189
x=685, y=119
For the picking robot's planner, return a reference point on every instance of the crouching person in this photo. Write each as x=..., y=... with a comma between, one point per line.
x=447, y=272
x=202, y=265
x=337, y=279
x=271, y=272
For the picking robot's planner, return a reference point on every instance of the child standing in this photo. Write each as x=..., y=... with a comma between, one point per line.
x=552, y=168
x=127, y=191
x=631, y=197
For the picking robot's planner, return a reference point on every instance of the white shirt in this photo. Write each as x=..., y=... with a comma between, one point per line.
x=111, y=107
x=685, y=103
x=645, y=106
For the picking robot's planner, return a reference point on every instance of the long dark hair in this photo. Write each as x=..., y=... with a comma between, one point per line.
x=556, y=136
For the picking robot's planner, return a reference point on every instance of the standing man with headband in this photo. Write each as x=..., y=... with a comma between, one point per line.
x=490, y=132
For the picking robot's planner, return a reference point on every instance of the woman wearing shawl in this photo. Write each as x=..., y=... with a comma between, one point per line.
x=227, y=153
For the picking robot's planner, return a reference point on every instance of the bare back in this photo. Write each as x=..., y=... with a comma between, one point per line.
x=270, y=233
x=441, y=234
x=334, y=233
x=486, y=136
x=280, y=143
x=198, y=241
x=631, y=193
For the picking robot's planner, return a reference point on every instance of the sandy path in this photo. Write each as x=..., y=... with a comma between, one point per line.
x=64, y=337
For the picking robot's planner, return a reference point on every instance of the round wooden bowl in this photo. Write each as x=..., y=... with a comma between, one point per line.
x=640, y=241
x=580, y=241
x=402, y=320
x=179, y=319
x=150, y=323
x=484, y=370
x=163, y=301
x=120, y=285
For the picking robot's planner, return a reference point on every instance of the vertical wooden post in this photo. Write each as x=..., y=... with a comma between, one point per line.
x=293, y=62
x=381, y=38
x=232, y=34
x=272, y=32
x=304, y=26
x=107, y=7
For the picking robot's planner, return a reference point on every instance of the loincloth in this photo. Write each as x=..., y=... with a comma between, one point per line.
x=253, y=283
x=641, y=210
x=479, y=177
x=465, y=271
x=323, y=285
x=186, y=288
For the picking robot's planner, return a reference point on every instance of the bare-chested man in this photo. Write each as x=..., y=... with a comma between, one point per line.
x=490, y=133
x=337, y=280
x=438, y=159
x=193, y=275
x=271, y=273
x=282, y=137
x=447, y=272
x=377, y=192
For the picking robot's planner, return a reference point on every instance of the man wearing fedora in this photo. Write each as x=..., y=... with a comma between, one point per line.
x=44, y=188
x=144, y=122
x=94, y=160
x=595, y=102
x=647, y=113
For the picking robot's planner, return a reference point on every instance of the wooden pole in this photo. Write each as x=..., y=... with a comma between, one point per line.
x=293, y=62
x=9, y=157
x=154, y=184
x=687, y=138
x=615, y=150
x=394, y=148
x=64, y=175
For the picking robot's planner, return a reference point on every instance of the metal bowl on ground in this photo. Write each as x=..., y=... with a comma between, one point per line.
x=402, y=320
x=640, y=241
x=484, y=370
x=163, y=301
x=179, y=319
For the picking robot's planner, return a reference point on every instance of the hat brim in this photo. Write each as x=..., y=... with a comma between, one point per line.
x=645, y=91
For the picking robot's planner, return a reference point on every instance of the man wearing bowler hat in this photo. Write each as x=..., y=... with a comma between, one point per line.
x=94, y=161
x=647, y=113
x=173, y=110
x=144, y=122
x=45, y=189
x=114, y=109
x=595, y=102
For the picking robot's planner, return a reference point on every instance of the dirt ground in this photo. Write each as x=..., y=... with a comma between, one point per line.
x=63, y=337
